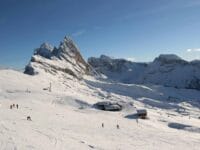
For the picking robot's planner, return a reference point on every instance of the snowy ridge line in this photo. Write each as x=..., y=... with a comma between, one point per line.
x=168, y=70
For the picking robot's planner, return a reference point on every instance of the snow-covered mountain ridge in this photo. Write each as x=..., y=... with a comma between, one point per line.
x=168, y=70
x=65, y=59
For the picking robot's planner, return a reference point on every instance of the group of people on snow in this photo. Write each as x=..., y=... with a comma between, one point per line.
x=14, y=105
x=17, y=106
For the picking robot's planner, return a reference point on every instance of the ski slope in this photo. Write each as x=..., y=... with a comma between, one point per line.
x=64, y=119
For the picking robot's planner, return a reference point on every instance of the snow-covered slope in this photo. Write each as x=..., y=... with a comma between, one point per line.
x=167, y=70
x=64, y=119
x=66, y=59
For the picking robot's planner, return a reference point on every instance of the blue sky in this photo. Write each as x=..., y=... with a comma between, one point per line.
x=132, y=29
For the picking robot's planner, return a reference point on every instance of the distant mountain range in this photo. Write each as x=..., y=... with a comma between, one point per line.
x=168, y=70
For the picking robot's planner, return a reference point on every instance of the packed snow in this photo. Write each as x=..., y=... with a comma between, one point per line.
x=63, y=116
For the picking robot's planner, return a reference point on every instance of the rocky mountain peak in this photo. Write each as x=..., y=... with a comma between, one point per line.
x=169, y=59
x=104, y=57
x=66, y=58
x=67, y=47
x=46, y=46
x=45, y=50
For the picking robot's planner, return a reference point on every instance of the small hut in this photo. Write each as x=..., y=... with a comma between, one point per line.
x=108, y=106
x=142, y=113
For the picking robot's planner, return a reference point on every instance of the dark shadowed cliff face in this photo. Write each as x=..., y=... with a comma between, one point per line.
x=118, y=69
x=66, y=59
x=168, y=70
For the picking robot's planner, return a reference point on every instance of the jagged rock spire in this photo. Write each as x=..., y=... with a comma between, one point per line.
x=66, y=58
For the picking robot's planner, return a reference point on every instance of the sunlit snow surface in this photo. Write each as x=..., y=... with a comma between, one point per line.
x=64, y=119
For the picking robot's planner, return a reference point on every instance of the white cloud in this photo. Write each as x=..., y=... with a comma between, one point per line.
x=192, y=54
x=130, y=59
x=78, y=33
x=193, y=50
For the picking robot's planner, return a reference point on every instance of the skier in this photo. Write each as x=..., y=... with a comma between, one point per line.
x=29, y=118
x=117, y=126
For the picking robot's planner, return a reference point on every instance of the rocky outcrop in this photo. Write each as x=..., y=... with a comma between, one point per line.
x=66, y=59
